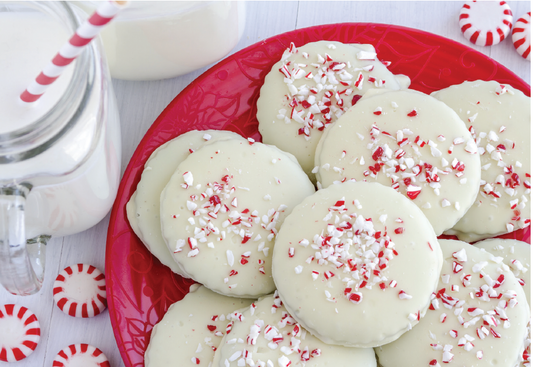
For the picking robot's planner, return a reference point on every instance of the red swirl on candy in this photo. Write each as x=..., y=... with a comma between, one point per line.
x=485, y=23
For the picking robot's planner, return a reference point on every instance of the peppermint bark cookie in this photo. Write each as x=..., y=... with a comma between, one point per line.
x=499, y=118
x=411, y=142
x=143, y=207
x=192, y=329
x=356, y=264
x=221, y=211
x=267, y=335
x=478, y=316
x=516, y=255
x=310, y=87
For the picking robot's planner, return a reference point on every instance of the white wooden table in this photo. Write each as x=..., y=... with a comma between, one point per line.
x=141, y=102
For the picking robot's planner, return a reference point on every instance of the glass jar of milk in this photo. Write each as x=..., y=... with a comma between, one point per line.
x=152, y=40
x=59, y=156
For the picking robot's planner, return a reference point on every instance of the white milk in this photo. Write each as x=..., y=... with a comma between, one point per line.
x=18, y=67
x=162, y=39
x=76, y=179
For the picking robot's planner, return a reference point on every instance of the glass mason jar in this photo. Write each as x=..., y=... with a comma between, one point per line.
x=59, y=156
x=152, y=40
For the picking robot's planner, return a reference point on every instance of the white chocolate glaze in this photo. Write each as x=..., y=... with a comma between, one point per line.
x=143, y=207
x=516, y=255
x=268, y=336
x=132, y=215
x=313, y=83
x=222, y=208
x=356, y=264
x=499, y=118
x=191, y=329
x=411, y=142
x=478, y=316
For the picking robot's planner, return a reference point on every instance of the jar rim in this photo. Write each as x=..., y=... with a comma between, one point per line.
x=39, y=135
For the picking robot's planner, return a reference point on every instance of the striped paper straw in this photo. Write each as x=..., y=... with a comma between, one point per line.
x=70, y=50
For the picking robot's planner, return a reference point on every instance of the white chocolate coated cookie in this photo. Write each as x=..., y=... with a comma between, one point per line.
x=499, y=118
x=222, y=208
x=411, y=142
x=356, y=264
x=192, y=329
x=515, y=254
x=478, y=316
x=143, y=207
x=310, y=87
x=269, y=336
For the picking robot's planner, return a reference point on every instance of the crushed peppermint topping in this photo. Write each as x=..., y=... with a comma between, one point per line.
x=471, y=146
x=218, y=327
x=328, y=91
x=188, y=178
x=508, y=183
x=219, y=202
x=351, y=249
x=413, y=113
x=409, y=174
x=285, y=335
x=480, y=315
x=460, y=255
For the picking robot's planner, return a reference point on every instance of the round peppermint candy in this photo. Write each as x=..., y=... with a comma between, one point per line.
x=485, y=23
x=79, y=291
x=80, y=355
x=20, y=332
x=522, y=35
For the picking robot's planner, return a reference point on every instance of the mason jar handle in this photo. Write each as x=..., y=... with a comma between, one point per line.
x=21, y=260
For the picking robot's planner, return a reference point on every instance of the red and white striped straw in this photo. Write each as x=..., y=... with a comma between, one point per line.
x=70, y=50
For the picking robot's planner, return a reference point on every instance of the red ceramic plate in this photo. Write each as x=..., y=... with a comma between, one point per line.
x=139, y=288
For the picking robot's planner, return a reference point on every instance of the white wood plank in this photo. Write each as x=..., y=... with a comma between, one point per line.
x=265, y=19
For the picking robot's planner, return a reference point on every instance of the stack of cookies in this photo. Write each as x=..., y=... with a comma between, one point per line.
x=319, y=245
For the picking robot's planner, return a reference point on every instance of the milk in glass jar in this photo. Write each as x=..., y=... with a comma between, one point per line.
x=59, y=156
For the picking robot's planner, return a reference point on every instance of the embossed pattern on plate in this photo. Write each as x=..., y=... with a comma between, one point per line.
x=139, y=288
